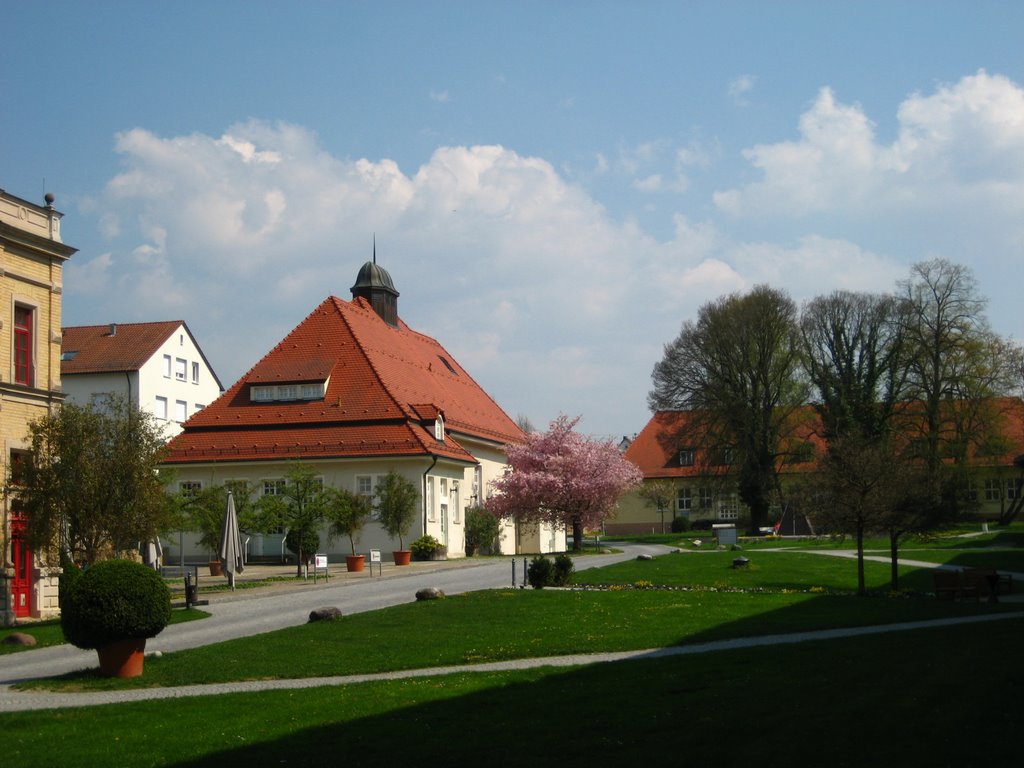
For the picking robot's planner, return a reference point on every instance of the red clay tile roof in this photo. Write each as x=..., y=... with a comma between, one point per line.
x=98, y=351
x=656, y=449
x=380, y=381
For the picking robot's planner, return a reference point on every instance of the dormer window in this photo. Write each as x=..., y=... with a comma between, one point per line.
x=686, y=457
x=288, y=392
x=439, y=428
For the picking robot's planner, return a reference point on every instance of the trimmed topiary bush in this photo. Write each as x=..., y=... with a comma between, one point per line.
x=115, y=600
x=563, y=570
x=69, y=575
x=539, y=572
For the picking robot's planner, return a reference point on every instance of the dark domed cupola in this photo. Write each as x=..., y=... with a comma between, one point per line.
x=374, y=284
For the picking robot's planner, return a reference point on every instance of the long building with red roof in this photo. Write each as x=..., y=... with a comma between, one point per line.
x=355, y=393
x=673, y=448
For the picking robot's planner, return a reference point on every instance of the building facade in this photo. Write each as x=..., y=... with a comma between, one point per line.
x=671, y=449
x=354, y=393
x=32, y=257
x=159, y=367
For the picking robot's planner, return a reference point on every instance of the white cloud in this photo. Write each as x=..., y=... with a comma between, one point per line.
x=441, y=97
x=553, y=303
x=739, y=87
x=962, y=145
x=652, y=183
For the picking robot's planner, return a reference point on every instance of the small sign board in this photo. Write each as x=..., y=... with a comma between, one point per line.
x=375, y=558
x=320, y=567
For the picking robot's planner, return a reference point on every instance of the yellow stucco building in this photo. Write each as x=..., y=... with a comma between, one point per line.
x=32, y=257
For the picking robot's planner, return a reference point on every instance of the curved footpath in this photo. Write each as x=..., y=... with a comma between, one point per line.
x=252, y=612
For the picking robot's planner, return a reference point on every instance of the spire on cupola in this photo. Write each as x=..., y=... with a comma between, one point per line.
x=374, y=284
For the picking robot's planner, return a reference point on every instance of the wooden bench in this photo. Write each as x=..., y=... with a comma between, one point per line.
x=988, y=581
x=952, y=585
x=970, y=582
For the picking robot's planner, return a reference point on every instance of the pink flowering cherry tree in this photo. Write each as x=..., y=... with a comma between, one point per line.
x=563, y=478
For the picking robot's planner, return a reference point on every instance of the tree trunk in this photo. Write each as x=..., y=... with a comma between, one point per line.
x=894, y=548
x=861, y=589
x=577, y=535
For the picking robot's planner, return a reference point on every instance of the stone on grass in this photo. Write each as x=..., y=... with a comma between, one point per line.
x=429, y=593
x=740, y=562
x=327, y=613
x=20, y=638
x=645, y=557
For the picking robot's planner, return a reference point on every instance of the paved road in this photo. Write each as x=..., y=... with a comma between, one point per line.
x=254, y=611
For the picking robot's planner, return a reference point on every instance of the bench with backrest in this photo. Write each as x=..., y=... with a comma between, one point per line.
x=970, y=582
x=988, y=581
x=953, y=585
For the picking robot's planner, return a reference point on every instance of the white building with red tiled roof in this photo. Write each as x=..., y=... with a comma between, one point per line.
x=354, y=393
x=158, y=366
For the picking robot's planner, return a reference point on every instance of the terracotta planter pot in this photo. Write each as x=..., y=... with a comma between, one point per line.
x=215, y=568
x=354, y=563
x=402, y=556
x=123, y=658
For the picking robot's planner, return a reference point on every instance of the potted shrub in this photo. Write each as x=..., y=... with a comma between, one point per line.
x=347, y=513
x=396, y=504
x=114, y=607
x=425, y=547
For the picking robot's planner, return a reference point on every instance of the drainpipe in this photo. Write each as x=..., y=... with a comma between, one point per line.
x=424, y=494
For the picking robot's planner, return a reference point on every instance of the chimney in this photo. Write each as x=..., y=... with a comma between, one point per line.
x=113, y=329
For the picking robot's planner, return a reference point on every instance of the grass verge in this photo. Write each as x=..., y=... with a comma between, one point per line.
x=49, y=632
x=916, y=698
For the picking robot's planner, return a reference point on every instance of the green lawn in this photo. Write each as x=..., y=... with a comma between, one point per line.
x=911, y=699
x=49, y=632
x=946, y=696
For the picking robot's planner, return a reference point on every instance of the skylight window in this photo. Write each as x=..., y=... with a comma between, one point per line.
x=448, y=365
x=67, y=356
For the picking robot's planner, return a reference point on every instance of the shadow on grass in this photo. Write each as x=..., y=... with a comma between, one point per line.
x=841, y=702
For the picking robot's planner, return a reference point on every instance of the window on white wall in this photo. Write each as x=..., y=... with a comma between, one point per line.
x=180, y=411
x=274, y=487
x=444, y=504
x=195, y=373
x=160, y=407
x=431, y=514
x=180, y=367
x=167, y=366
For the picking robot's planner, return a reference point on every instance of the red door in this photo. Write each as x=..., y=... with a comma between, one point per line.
x=21, y=587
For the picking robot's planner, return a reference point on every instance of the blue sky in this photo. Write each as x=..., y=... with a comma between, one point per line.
x=554, y=186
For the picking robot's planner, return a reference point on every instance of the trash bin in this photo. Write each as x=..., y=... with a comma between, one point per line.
x=191, y=591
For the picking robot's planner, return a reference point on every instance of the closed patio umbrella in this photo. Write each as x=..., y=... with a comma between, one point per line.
x=231, y=543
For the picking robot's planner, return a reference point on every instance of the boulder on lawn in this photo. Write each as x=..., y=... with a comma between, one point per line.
x=645, y=557
x=327, y=613
x=430, y=593
x=19, y=638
